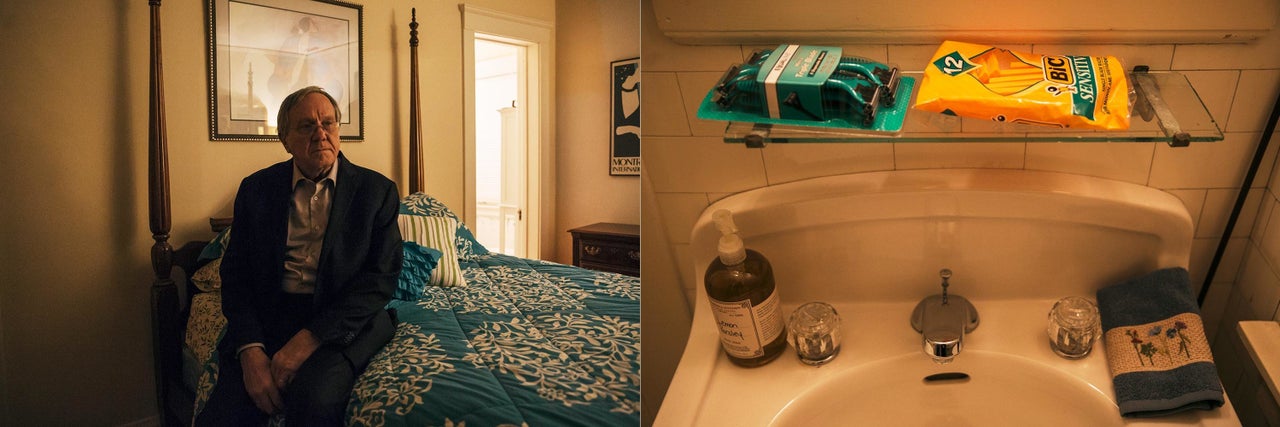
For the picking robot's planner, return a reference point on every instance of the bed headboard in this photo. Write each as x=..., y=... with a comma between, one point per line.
x=168, y=305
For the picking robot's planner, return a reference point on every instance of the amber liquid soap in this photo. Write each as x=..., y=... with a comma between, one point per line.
x=744, y=300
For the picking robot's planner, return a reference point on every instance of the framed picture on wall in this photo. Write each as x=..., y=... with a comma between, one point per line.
x=262, y=50
x=624, y=137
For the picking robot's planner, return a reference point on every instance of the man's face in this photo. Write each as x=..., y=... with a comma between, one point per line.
x=313, y=138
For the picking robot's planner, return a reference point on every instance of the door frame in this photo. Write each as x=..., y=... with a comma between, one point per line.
x=538, y=36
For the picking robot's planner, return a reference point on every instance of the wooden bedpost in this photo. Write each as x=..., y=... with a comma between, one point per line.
x=158, y=153
x=164, y=296
x=416, y=182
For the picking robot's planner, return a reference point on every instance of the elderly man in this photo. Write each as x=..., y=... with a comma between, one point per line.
x=313, y=259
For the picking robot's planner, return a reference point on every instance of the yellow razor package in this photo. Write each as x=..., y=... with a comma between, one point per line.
x=986, y=82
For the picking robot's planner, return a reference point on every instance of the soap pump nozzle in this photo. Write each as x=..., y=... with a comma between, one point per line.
x=730, y=247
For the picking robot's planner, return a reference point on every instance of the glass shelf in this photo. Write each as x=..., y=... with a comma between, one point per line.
x=1167, y=110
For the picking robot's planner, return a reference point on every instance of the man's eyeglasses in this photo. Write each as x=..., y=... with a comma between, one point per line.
x=309, y=128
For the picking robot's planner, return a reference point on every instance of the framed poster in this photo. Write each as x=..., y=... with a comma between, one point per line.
x=624, y=146
x=262, y=50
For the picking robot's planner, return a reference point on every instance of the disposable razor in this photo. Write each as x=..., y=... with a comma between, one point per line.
x=877, y=73
x=859, y=96
x=725, y=86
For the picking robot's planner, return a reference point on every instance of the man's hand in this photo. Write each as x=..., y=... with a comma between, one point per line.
x=286, y=362
x=258, y=380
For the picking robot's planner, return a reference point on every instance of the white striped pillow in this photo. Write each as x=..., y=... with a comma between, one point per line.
x=437, y=233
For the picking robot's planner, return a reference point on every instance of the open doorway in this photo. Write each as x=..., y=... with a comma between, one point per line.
x=501, y=139
x=509, y=181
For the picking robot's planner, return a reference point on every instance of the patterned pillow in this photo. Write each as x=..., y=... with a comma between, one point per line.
x=416, y=272
x=421, y=204
x=204, y=325
x=439, y=233
x=208, y=278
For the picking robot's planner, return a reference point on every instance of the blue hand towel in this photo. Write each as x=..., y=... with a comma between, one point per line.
x=1156, y=348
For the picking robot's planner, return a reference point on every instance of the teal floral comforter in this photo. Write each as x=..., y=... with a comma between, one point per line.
x=525, y=342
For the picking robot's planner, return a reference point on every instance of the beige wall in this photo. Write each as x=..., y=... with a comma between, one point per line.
x=589, y=35
x=690, y=167
x=75, y=333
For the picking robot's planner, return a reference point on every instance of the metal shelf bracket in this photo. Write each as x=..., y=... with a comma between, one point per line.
x=1151, y=104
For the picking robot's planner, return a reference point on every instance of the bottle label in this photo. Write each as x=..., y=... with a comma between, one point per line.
x=745, y=329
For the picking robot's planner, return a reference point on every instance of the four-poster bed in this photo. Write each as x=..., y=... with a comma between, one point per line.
x=482, y=338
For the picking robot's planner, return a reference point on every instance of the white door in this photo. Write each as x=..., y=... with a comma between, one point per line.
x=500, y=144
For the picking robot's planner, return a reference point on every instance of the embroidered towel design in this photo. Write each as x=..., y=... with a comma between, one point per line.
x=1156, y=347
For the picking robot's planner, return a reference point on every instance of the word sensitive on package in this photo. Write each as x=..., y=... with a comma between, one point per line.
x=986, y=82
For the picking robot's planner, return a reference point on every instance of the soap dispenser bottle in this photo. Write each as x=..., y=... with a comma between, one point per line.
x=743, y=299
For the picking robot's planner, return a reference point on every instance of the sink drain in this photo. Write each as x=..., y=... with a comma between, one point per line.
x=946, y=378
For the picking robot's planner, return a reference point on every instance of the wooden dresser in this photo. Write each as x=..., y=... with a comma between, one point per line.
x=608, y=246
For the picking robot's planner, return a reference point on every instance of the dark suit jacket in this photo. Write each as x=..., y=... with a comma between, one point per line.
x=359, y=262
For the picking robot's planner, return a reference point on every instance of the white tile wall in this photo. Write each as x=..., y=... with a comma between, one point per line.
x=1228, y=351
x=1228, y=267
x=1154, y=56
x=1258, y=286
x=1269, y=244
x=950, y=155
x=693, y=88
x=1194, y=201
x=659, y=53
x=1261, y=54
x=1255, y=95
x=1273, y=185
x=874, y=52
x=791, y=162
x=1121, y=162
x=912, y=57
x=1216, y=90
x=1219, y=164
x=663, y=107
x=680, y=211
x=1202, y=253
x=686, y=270
x=1218, y=205
x=1214, y=305
x=701, y=164
x=1265, y=210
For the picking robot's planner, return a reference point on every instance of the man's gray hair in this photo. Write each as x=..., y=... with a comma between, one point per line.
x=282, y=117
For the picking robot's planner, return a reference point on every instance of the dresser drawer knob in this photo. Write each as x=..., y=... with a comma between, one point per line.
x=591, y=250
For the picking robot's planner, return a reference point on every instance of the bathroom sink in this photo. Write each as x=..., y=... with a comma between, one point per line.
x=878, y=379
x=872, y=245
x=975, y=390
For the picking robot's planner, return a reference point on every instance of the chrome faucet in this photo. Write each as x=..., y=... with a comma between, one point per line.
x=942, y=320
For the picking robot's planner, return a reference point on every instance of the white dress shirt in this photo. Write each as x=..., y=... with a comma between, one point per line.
x=308, y=220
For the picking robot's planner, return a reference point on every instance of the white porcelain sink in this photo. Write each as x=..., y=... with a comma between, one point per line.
x=871, y=245
x=978, y=389
x=1015, y=379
